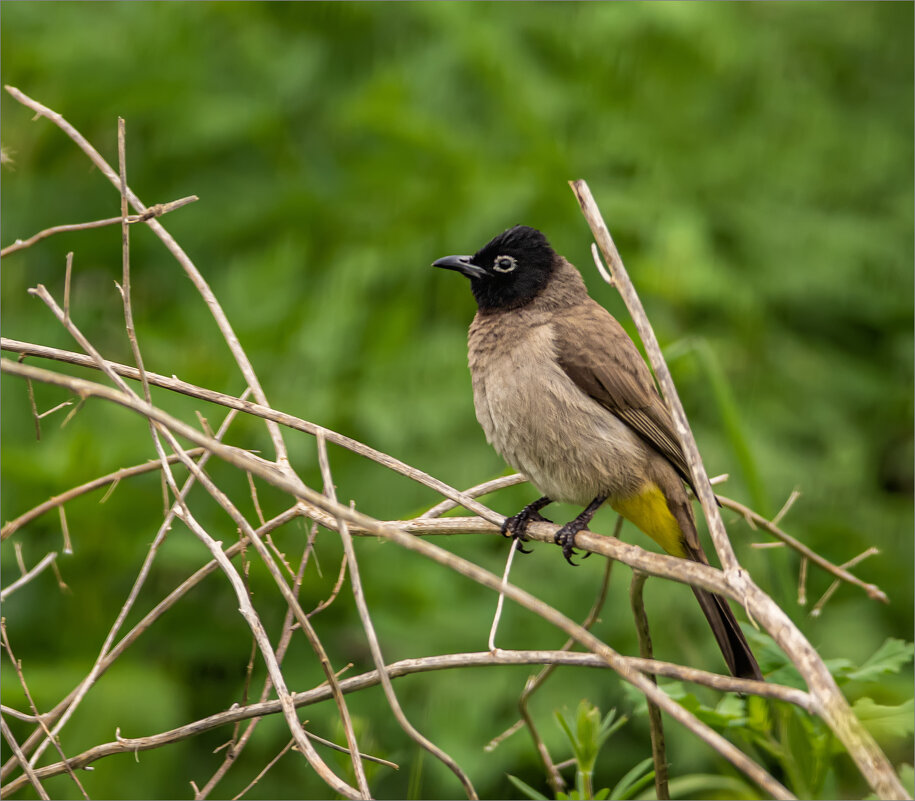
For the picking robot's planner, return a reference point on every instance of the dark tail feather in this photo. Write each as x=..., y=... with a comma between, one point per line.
x=731, y=641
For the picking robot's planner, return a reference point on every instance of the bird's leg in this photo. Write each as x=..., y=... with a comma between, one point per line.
x=566, y=535
x=516, y=525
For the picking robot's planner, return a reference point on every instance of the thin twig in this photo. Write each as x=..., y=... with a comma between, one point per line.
x=872, y=590
x=475, y=492
x=335, y=591
x=65, y=530
x=408, y=667
x=67, y=275
x=802, y=582
x=20, y=559
x=29, y=773
x=4, y=637
x=369, y=630
x=153, y=211
x=262, y=773
x=13, y=526
x=23, y=580
x=31, y=393
x=53, y=409
x=795, y=494
x=257, y=506
x=515, y=546
x=818, y=606
x=656, y=725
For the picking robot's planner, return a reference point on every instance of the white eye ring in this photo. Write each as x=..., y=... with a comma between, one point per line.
x=504, y=264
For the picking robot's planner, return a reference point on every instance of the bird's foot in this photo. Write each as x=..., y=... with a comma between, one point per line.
x=516, y=525
x=566, y=535
x=566, y=538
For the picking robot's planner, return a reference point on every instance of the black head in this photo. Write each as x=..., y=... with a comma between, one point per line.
x=509, y=271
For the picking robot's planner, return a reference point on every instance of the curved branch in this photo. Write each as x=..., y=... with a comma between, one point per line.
x=407, y=667
x=289, y=482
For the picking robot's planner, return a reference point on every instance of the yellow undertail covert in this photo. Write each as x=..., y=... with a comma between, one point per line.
x=648, y=510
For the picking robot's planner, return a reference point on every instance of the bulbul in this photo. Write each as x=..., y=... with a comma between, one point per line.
x=564, y=396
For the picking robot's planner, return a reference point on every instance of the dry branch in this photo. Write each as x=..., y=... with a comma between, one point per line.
x=323, y=508
x=455, y=498
x=831, y=704
x=407, y=667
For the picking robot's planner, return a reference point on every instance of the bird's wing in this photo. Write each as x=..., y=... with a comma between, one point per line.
x=598, y=355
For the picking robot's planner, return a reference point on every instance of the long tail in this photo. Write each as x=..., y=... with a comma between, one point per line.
x=731, y=641
x=665, y=515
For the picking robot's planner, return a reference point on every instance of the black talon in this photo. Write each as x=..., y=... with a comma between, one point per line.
x=516, y=525
x=566, y=538
x=566, y=535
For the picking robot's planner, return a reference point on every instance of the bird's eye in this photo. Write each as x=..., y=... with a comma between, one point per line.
x=504, y=264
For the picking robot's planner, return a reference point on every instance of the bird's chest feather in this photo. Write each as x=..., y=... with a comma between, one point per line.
x=538, y=419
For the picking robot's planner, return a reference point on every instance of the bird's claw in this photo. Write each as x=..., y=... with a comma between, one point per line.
x=516, y=526
x=566, y=538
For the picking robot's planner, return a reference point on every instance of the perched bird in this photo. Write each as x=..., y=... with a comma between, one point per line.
x=564, y=396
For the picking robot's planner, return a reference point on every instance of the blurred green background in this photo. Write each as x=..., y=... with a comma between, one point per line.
x=754, y=163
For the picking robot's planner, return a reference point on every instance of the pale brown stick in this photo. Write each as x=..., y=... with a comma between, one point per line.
x=225, y=328
x=14, y=525
x=872, y=590
x=30, y=775
x=128, y=639
x=833, y=706
x=153, y=211
x=408, y=667
x=27, y=576
x=369, y=629
x=656, y=725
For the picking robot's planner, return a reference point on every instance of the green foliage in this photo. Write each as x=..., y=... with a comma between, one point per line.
x=802, y=747
x=587, y=735
x=754, y=163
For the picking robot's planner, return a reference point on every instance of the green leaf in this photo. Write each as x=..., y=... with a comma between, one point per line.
x=886, y=722
x=704, y=785
x=889, y=658
x=525, y=788
x=634, y=780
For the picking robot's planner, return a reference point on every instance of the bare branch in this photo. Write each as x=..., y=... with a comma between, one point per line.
x=408, y=667
x=656, y=725
x=756, y=519
x=295, y=423
x=833, y=707
x=58, y=500
x=153, y=211
x=369, y=630
x=29, y=773
x=241, y=358
x=25, y=579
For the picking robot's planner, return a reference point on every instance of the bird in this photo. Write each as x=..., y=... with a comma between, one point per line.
x=564, y=396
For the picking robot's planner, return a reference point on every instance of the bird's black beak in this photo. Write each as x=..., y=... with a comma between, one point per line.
x=462, y=264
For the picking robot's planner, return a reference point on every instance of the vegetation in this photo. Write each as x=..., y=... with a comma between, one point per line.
x=754, y=163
